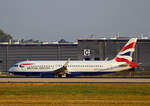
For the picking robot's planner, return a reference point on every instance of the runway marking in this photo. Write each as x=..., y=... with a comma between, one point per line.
x=73, y=80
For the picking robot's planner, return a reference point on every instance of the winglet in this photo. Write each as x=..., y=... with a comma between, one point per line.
x=65, y=65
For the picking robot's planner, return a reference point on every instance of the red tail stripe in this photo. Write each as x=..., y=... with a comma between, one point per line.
x=132, y=64
x=131, y=45
x=122, y=60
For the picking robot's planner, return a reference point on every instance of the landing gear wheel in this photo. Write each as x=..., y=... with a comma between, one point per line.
x=68, y=75
x=59, y=75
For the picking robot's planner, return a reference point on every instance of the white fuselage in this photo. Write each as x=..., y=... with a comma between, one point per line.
x=73, y=66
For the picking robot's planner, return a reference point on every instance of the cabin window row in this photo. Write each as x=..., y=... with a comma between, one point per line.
x=52, y=66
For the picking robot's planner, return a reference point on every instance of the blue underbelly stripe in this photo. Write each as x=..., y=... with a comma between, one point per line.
x=51, y=74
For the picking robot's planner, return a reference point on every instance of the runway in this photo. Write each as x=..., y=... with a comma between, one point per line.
x=74, y=80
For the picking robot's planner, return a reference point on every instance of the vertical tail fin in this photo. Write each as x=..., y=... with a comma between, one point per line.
x=125, y=55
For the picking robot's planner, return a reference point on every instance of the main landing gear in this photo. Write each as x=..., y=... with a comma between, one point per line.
x=63, y=76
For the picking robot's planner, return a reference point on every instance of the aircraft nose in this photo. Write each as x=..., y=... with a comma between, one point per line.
x=11, y=69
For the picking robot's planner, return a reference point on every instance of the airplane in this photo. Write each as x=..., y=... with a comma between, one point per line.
x=122, y=61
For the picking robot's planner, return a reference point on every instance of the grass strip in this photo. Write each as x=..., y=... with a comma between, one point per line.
x=67, y=94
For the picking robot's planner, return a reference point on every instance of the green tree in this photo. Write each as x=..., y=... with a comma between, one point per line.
x=4, y=37
x=63, y=41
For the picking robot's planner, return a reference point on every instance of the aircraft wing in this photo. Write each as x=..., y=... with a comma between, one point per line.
x=63, y=69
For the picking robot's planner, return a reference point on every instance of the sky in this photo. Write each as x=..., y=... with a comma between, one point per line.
x=51, y=20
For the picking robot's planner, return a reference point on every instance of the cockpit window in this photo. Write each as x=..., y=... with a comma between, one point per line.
x=21, y=66
x=15, y=65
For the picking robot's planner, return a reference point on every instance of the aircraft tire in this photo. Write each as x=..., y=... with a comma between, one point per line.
x=59, y=75
x=68, y=75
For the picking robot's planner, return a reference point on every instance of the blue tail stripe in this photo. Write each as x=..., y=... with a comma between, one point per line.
x=126, y=54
